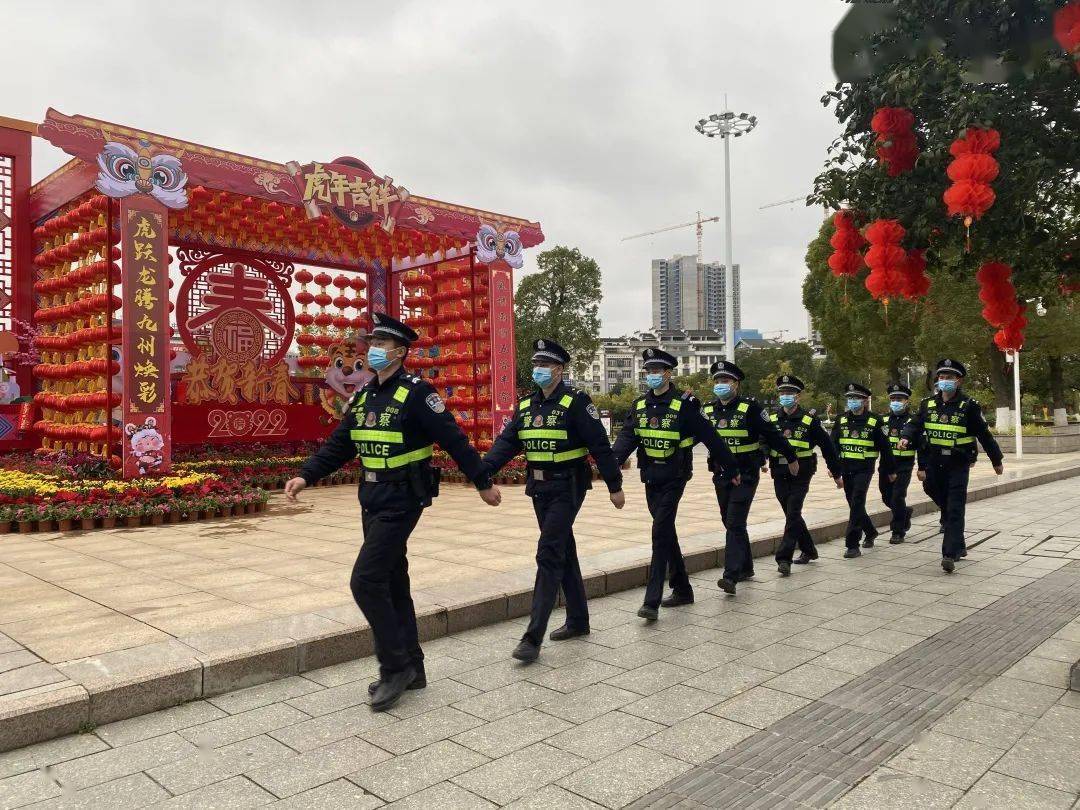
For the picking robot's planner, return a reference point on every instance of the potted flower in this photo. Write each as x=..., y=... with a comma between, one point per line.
x=65, y=518
x=25, y=518
x=5, y=519
x=88, y=514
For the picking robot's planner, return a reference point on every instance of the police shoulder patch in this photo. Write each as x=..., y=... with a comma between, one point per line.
x=434, y=401
x=591, y=410
x=812, y=411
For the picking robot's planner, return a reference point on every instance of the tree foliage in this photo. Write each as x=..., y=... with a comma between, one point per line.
x=560, y=302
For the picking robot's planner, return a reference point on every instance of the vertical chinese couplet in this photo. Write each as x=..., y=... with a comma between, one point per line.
x=501, y=323
x=147, y=409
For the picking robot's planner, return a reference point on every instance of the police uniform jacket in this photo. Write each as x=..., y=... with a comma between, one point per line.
x=860, y=441
x=949, y=430
x=557, y=433
x=744, y=426
x=893, y=426
x=804, y=432
x=664, y=428
x=392, y=426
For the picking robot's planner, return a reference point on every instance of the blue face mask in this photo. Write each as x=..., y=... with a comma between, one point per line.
x=854, y=403
x=377, y=359
x=787, y=400
x=722, y=390
x=896, y=406
x=946, y=386
x=542, y=376
x=654, y=380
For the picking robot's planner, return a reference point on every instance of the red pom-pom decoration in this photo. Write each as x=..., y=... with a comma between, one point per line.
x=847, y=242
x=1067, y=30
x=972, y=170
x=886, y=259
x=997, y=293
x=896, y=146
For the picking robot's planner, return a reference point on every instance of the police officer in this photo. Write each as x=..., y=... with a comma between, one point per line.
x=392, y=423
x=894, y=493
x=804, y=432
x=742, y=423
x=558, y=427
x=663, y=426
x=860, y=440
x=950, y=423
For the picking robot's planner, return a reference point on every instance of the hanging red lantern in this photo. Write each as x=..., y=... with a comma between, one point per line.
x=305, y=318
x=997, y=293
x=1067, y=30
x=1011, y=336
x=896, y=146
x=303, y=276
x=846, y=242
x=972, y=170
x=915, y=283
x=357, y=283
x=304, y=298
x=886, y=259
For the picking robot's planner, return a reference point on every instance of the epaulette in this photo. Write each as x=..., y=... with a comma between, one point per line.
x=812, y=412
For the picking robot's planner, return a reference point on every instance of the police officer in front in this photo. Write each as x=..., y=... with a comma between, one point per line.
x=950, y=423
x=894, y=492
x=804, y=432
x=860, y=440
x=558, y=427
x=391, y=424
x=663, y=426
x=742, y=423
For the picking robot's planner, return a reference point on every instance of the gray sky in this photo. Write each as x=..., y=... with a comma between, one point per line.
x=577, y=114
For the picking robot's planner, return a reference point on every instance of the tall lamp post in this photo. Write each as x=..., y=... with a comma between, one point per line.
x=726, y=125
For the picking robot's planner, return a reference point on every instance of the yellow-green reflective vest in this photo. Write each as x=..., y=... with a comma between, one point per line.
x=733, y=429
x=947, y=430
x=895, y=440
x=544, y=433
x=799, y=435
x=856, y=441
x=659, y=434
x=378, y=436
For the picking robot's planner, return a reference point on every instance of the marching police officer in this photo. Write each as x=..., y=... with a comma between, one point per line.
x=663, y=426
x=950, y=422
x=804, y=432
x=558, y=428
x=860, y=440
x=894, y=493
x=392, y=423
x=742, y=423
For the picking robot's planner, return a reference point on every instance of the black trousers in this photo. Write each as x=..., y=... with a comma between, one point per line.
x=380, y=586
x=894, y=494
x=947, y=484
x=856, y=485
x=663, y=500
x=556, y=504
x=735, y=502
x=791, y=492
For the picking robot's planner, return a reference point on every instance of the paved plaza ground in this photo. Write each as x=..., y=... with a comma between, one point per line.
x=872, y=683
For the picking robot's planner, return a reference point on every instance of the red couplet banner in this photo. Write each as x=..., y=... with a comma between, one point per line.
x=144, y=245
x=503, y=363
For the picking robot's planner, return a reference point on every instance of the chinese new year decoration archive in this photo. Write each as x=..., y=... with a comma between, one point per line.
x=245, y=295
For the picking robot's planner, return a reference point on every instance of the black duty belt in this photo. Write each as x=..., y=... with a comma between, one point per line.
x=383, y=476
x=549, y=474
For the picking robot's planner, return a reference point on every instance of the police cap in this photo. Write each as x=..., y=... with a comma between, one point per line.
x=385, y=326
x=948, y=364
x=545, y=349
x=658, y=357
x=898, y=390
x=789, y=382
x=854, y=389
x=725, y=368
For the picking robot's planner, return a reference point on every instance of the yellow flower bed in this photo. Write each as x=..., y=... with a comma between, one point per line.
x=41, y=484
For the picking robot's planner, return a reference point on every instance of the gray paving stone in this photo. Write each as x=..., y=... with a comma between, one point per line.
x=235, y=793
x=585, y=704
x=553, y=798
x=995, y=791
x=132, y=791
x=439, y=693
x=234, y=728
x=119, y=762
x=633, y=655
x=402, y=776
x=335, y=698
x=809, y=681
x=605, y=735
x=125, y=732
x=445, y=796
x=851, y=658
x=575, y=676
x=820, y=639
x=508, y=734
x=705, y=656
x=508, y=778
x=1047, y=762
x=500, y=673
x=652, y=677
x=407, y=735
x=327, y=728
x=619, y=779
x=1061, y=724
x=778, y=657
x=505, y=700
x=1019, y=696
x=273, y=692
x=759, y=707
x=731, y=679
x=312, y=768
x=27, y=788
x=1040, y=670
x=898, y=791
x=947, y=760
x=49, y=753
x=988, y=725
x=341, y=794
x=699, y=738
x=215, y=765
x=673, y=704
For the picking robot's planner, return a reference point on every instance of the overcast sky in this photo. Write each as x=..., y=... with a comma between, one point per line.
x=577, y=114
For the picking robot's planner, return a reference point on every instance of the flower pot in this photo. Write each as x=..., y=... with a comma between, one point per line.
x=133, y=521
x=86, y=524
x=5, y=527
x=25, y=526
x=260, y=507
x=46, y=525
x=174, y=517
x=108, y=523
x=156, y=519
x=65, y=525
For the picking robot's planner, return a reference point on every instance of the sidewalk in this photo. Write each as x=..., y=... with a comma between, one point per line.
x=102, y=626
x=872, y=683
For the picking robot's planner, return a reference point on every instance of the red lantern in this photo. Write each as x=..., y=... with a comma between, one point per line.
x=915, y=283
x=322, y=279
x=305, y=298
x=1067, y=30
x=896, y=146
x=341, y=282
x=997, y=293
x=972, y=171
x=303, y=276
x=357, y=283
x=885, y=258
x=305, y=319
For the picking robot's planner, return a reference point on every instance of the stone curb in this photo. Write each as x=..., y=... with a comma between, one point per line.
x=126, y=683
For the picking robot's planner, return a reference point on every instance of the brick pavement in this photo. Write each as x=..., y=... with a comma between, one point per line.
x=608, y=720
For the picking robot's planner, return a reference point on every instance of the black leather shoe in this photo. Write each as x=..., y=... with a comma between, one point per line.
x=676, y=599
x=803, y=559
x=868, y=542
x=726, y=585
x=648, y=613
x=526, y=651
x=963, y=553
x=565, y=632
x=852, y=553
x=896, y=538
x=947, y=564
x=419, y=681
x=391, y=689
x=784, y=568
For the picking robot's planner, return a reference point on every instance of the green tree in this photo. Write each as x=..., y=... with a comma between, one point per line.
x=560, y=302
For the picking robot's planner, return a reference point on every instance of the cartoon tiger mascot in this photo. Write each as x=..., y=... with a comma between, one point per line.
x=346, y=374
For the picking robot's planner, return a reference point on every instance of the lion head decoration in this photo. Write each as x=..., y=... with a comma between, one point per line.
x=493, y=243
x=123, y=171
x=345, y=375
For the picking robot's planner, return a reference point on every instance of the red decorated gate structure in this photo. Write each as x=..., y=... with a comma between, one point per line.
x=187, y=295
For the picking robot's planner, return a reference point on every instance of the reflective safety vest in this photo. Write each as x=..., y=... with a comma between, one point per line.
x=895, y=440
x=380, y=442
x=658, y=439
x=733, y=429
x=947, y=430
x=545, y=436
x=798, y=437
x=855, y=440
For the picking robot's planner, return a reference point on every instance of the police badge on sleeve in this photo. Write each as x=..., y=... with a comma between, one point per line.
x=434, y=401
x=591, y=411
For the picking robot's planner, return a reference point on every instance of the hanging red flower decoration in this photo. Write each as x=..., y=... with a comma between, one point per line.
x=886, y=259
x=1067, y=30
x=896, y=146
x=972, y=170
x=997, y=293
x=1011, y=336
x=915, y=283
x=847, y=242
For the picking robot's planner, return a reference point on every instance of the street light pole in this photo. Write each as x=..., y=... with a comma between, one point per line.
x=727, y=125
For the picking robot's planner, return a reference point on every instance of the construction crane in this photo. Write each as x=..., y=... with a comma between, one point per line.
x=700, y=261
x=783, y=202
